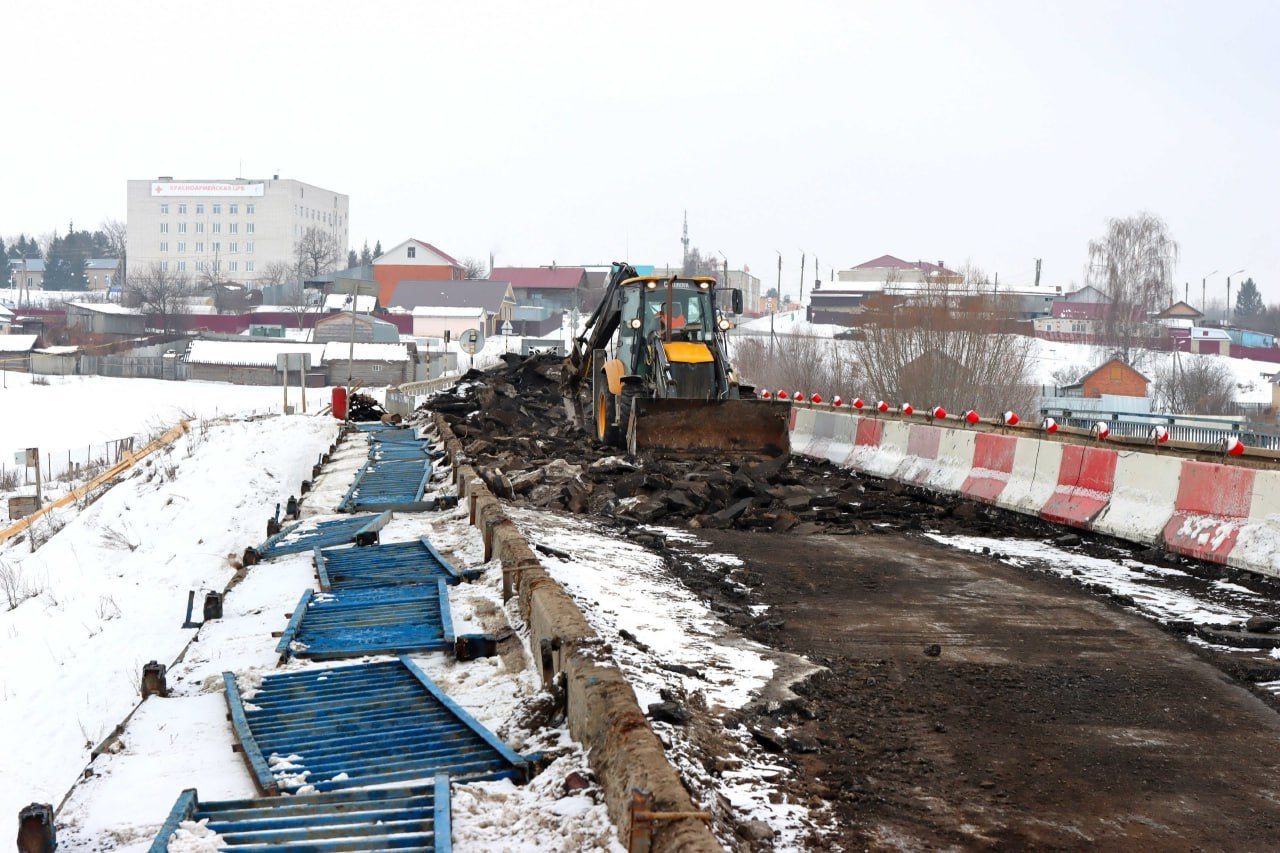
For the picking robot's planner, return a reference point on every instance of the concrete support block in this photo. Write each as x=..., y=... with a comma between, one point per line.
x=212, y=606
x=154, y=680
x=36, y=830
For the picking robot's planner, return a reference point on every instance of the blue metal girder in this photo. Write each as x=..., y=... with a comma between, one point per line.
x=306, y=535
x=372, y=724
x=389, y=564
x=409, y=818
x=356, y=622
x=394, y=484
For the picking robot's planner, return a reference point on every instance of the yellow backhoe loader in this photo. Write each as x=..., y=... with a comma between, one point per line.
x=649, y=371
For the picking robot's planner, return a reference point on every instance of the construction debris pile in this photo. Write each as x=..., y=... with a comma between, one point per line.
x=362, y=407
x=513, y=424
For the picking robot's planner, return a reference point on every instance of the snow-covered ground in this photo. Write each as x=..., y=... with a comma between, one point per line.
x=80, y=648
x=73, y=413
x=110, y=589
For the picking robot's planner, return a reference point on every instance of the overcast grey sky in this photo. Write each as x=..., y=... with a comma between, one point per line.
x=578, y=132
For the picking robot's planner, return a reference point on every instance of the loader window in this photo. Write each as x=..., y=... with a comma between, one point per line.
x=690, y=318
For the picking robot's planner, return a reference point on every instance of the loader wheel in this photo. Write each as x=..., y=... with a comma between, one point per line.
x=607, y=431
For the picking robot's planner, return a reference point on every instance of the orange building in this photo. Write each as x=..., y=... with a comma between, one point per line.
x=412, y=260
x=1114, y=378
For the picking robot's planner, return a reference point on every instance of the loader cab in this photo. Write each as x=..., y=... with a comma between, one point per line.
x=668, y=336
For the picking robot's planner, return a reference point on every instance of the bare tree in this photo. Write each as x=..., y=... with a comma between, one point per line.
x=1190, y=385
x=159, y=292
x=276, y=272
x=1133, y=265
x=117, y=243
x=930, y=351
x=296, y=300
x=474, y=268
x=317, y=253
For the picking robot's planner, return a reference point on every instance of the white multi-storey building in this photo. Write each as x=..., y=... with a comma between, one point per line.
x=228, y=230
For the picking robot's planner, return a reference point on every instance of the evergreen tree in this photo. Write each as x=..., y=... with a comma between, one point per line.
x=5, y=278
x=25, y=248
x=64, y=265
x=377, y=249
x=353, y=260
x=1249, y=300
x=366, y=257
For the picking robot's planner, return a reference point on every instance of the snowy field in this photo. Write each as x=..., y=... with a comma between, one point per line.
x=72, y=413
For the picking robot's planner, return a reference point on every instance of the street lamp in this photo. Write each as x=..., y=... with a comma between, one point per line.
x=1229, y=311
x=1203, y=279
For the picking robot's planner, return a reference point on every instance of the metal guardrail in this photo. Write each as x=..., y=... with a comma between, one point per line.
x=303, y=536
x=403, y=399
x=416, y=817
x=384, y=566
x=372, y=621
x=356, y=726
x=1189, y=428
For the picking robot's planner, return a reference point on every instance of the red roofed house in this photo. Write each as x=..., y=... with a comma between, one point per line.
x=562, y=288
x=412, y=260
x=891, y=270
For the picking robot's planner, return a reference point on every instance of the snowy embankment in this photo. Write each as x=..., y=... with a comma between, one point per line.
x=184, y=741
x=110, y=589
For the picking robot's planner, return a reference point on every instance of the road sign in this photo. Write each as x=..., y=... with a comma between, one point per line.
x=293, y=361
x=471, y=340
x=29, y=457
x=506, y=327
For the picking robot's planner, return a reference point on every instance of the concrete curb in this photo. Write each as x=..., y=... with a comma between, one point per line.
x=602, y=711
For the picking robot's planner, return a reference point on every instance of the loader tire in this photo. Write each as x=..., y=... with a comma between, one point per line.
x=608, y=432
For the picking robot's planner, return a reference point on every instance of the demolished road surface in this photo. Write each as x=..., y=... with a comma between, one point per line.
x=951, y=698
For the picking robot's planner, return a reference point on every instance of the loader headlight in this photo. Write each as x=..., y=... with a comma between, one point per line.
x=724, y=325
x=651, y=285
x=636, y=323
x=704, y=285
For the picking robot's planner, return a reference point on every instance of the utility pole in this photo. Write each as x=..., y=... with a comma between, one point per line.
x=1203, y=296
x=1037, y=272
x=774, y=310
x=801, y=302
x=1229, y=314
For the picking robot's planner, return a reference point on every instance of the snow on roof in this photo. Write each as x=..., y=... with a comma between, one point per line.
x=249, y=353
x=342, y=302
x=58, y=350
x=103, y=308
x=339, y=351
x=443, y=311
x=17, y=343
x=5, y=312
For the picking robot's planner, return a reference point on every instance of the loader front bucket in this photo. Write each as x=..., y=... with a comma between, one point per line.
x=745, y=426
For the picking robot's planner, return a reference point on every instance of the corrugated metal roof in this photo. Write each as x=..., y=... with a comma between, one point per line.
x=464, y=293
x=540, y=278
